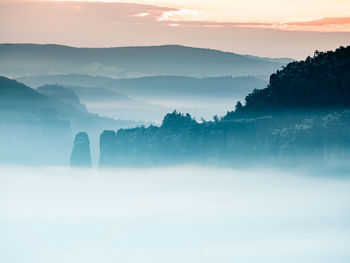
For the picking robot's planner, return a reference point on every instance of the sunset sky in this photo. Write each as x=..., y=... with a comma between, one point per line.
x=275, y=28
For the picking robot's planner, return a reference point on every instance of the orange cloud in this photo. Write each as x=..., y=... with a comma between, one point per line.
x=187, y=17
x=328, y=24
x=331, y=24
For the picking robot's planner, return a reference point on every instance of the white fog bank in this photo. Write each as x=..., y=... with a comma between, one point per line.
x=173, y=215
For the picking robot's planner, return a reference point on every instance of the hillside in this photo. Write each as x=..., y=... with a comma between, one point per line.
x=17, y=96
x=62, y=94
x=19, y=102
x=125, y=62
x=37, y=128
x=318, y=83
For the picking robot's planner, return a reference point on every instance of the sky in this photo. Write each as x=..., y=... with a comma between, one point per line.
x=252, y=10
x=274, y=28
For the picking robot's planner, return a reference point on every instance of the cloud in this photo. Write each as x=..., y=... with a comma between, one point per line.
x=93, y=24
x=121, y=13
x=182, y=15
x=328, y=24
x=186, y=17
x=142, y=14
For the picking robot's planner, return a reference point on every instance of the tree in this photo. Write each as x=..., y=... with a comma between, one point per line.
x=238, y=107
x=216, y=119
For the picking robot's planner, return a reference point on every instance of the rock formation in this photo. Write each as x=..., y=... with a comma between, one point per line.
x=81, y=151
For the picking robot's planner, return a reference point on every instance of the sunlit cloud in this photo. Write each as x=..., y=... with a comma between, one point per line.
x=332, y=24
x=182, y=15
x=244, y=11
x=142, y=14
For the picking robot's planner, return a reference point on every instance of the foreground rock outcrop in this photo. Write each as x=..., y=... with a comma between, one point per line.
x=181, y=139
x=81, y=156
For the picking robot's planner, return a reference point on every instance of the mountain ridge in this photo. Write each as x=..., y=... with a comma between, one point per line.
x=124, y=62
x=158, y=85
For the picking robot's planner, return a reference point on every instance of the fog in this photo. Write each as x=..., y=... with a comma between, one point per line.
x=177, y=214
x=155, y=110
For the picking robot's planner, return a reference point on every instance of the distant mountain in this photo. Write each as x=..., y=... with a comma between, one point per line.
x=78, y=80
x=177, y=86
x=19, y=102
x=32, y=125
x=150, y=98
x=106, y=102
x=98, y=94
x=62, y=94
x=125, y=62
x=14, y=94
x=158, y=86
x=276, y=60
x=47, y=103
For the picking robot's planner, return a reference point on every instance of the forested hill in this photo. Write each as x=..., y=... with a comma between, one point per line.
x=321, y=82
x=314, y=96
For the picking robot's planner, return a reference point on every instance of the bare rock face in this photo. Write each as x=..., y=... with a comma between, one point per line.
x=81, y=156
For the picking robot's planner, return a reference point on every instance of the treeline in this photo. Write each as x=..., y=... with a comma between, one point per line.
x=181, y=139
